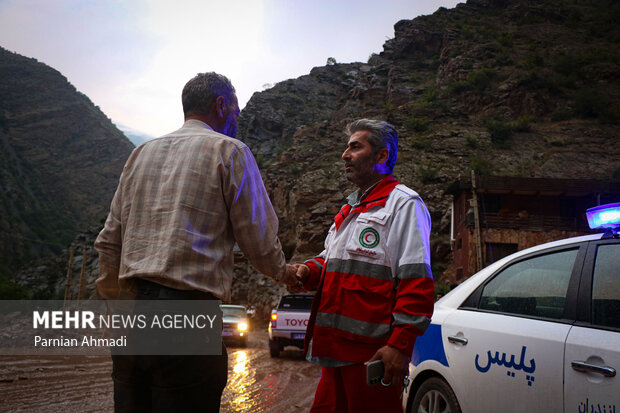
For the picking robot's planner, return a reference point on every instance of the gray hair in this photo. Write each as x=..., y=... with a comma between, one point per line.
x=382, y=135
x=200, y=93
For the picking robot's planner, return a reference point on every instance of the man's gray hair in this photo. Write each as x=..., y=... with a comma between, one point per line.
x=200, y=93
x=382, y=135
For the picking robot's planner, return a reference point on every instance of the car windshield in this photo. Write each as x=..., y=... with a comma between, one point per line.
x=234, y=311
x=296, y=302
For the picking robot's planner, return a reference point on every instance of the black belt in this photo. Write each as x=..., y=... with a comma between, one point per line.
x=149, y=290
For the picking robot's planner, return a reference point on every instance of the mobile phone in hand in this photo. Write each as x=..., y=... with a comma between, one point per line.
x=374, y=372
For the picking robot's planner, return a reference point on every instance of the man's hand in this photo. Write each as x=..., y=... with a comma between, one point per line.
x=300, y=272
x=289, y=277
x=291, y=280
x=303, y=272
x=396, y=364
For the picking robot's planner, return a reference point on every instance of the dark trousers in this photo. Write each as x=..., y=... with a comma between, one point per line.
x=168, y=383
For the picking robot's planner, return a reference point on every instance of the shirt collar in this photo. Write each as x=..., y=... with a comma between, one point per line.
x=383, y=187
x=195, y=123
x=356, y=197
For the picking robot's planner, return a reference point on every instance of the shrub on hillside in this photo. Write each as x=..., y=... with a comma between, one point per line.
x=421, y=142
x=481, y=165
x=427, y=173
x=10, y=290
x=471, y=141
x=534, y=81
x=500, y=131
x=567, y=65
x=590, y=103
x=522, y=124
x=478, y=81
x=416, y=124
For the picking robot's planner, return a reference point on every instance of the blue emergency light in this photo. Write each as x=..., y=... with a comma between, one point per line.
x=604, y=216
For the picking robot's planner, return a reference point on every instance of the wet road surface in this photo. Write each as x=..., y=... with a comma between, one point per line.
x=256, y=382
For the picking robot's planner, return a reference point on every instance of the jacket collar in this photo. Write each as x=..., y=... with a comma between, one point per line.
x=376, y=197
x=378, y=193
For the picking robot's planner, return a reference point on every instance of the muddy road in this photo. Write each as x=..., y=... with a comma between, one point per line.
x=72, y=384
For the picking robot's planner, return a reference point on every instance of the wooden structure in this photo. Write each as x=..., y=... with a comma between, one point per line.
x=517, y=213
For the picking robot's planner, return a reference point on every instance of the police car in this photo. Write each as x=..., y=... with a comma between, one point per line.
x=538, y=331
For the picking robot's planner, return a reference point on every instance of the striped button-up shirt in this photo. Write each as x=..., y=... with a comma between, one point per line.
x=181, y=203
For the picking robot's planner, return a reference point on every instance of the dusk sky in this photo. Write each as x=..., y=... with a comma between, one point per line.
x=132, y=57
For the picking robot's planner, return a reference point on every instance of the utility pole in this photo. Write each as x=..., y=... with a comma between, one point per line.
x=477, y=237
x=68, y=286
x=82, y=274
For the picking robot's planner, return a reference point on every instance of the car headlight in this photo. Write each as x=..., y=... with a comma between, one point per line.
x=242, y=326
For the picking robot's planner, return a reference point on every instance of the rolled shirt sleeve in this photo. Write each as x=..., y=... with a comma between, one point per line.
x=109, y=245
x=253, y=219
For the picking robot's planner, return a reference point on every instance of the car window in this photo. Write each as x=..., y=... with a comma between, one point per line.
x=606, y=286
x=534, y=287
x=296, y=302
x=234, y=311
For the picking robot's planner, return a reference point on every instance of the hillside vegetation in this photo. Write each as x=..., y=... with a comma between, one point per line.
x=511, y=88
x=60, y=159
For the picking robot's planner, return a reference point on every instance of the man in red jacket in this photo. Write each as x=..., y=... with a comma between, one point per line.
x=375, y=291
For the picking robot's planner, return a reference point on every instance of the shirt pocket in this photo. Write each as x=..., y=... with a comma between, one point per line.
x=369, y=235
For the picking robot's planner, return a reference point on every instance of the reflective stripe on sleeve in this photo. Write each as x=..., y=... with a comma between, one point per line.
x=318, y=264
x=418, y=270
x=381, y=272
x=420, y=322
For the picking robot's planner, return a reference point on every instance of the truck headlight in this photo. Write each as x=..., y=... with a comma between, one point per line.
x=242, y=326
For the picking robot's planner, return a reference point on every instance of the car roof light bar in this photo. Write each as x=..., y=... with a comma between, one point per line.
x=604, y=216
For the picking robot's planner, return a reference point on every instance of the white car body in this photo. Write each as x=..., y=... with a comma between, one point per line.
x=551, y=359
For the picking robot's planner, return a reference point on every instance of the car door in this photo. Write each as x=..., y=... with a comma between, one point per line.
x=592, y=363
x=506, y=342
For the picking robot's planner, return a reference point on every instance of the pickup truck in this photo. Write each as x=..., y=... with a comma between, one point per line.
x=235, y=324
x=288, y=323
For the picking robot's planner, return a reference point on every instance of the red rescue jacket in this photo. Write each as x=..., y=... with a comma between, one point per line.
x=373, y=280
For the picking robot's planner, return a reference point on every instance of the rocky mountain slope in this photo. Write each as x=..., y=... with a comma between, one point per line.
x=60, y=160
x=503, y=87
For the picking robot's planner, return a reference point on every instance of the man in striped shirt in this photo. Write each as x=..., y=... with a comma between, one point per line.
x=375, y=291
x=182, y=202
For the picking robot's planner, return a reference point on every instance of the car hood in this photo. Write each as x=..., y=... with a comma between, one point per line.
x=232, y=319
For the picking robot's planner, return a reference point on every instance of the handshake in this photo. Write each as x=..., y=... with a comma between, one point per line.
x=294, y=277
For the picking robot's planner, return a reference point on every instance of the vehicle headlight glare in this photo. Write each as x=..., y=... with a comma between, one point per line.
x=242, y=326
